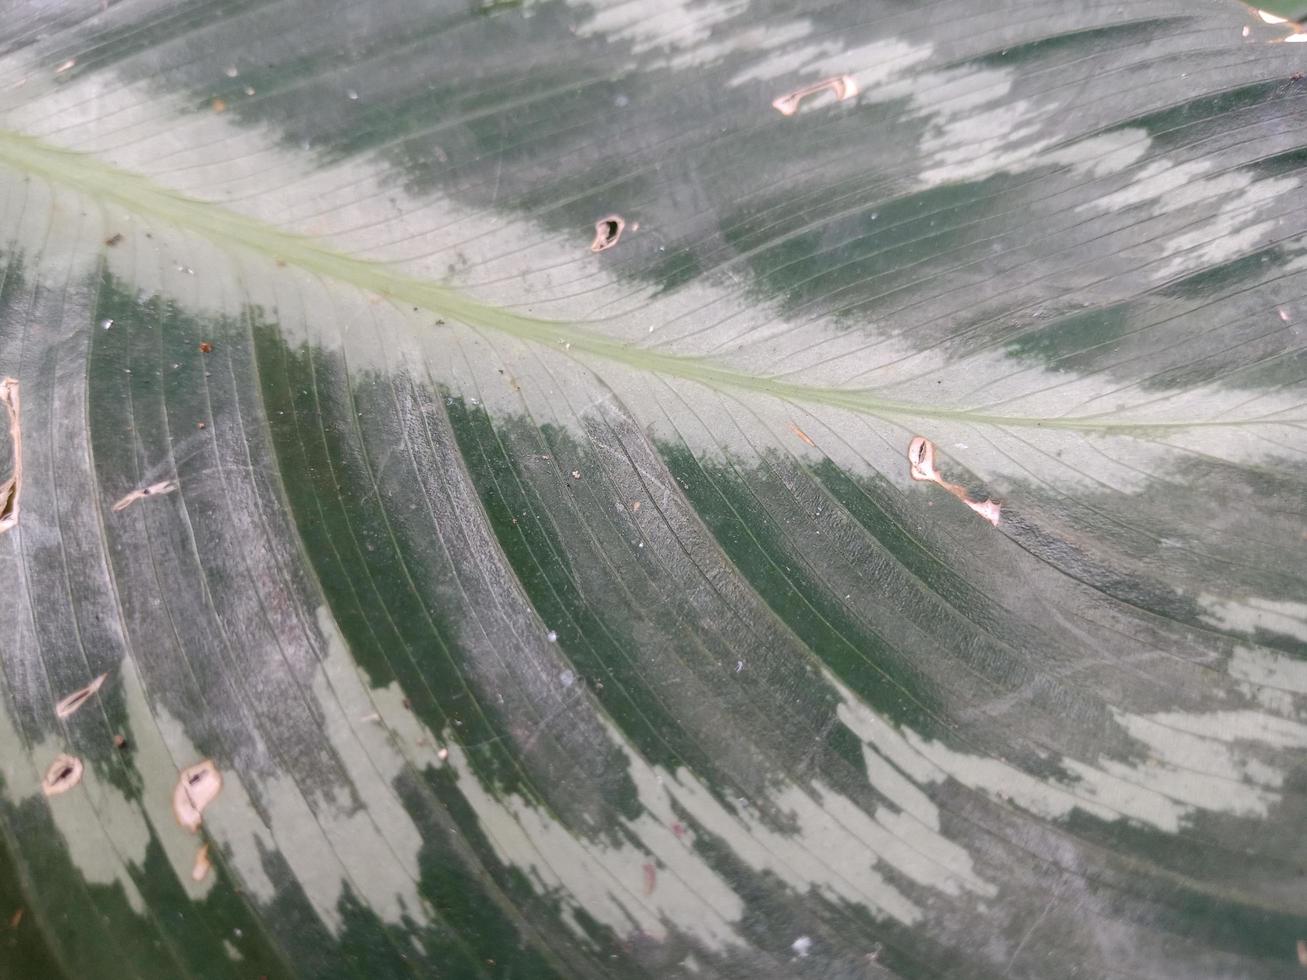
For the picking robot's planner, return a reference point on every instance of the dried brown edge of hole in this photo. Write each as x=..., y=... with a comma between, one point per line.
x=608, y=232
x=78, y=698
x=10, y=489
x=64, y=773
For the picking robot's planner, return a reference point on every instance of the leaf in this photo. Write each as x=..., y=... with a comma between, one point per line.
x=653, y=489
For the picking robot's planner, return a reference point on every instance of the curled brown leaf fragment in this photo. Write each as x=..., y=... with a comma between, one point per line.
x=197, y=787
x=607, y=232
x=64, y=773
x=153, y=490
x=12, y=487
x=843, y=86
x=921, y=465
x=72, y=702
x=200, y=869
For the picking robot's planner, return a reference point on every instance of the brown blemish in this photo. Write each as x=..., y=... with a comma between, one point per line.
x=802, y=435
x=12, y=487
x=153, y=490
x=64, y=773
x=844, y=87
x=75, y=700
x=650, y=877
x=921, y=464
x=1302, y=952
x=119, y=742
x=200, y=869
x=16, y=918
x=218, y=105
x=206, y=347
x=197, y=787
x=115, y=239
x=607, y=232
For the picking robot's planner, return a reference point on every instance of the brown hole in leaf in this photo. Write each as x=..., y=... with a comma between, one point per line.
x=200, y=869
x=844, y=87
x=75, y=700
x=196, y=788
x=153, y=490
x=921, y=465
x=12, y=487
x=64, y=773
x=607, y=232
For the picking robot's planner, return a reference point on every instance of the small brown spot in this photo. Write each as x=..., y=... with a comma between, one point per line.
x=75, y=700
x=200, y=869
x=218, y=105
x=607, y=232
x=650, y=877
x=1302, y=952
x=119, y=742
x=802, y=435
x=206, y=347
x=115, y=239
x=844, y=87
x=280, y=263
x=197, y=787
x=201, y=425
x=635, y=506
x=678, y=829
x=16, y=918
x=64, y=773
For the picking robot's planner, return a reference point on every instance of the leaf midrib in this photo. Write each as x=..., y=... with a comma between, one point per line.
x=135, y=193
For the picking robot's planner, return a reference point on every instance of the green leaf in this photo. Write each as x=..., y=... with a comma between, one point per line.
x=632, y=488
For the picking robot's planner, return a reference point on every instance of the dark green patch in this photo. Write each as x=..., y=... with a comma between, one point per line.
x=375, y=579
x=862, y=660
x=1244, y=272
x=599, y=646
x=1073, y=342
x=1080, y=44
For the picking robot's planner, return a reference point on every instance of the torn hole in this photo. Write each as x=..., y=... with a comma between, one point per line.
x=843, y=87
x=921, y=465
x=197, y=787
x=607, y=232
x=200, y=869
x=153, y=490
x=75, y=700
x=12, y=487
x=64, y=773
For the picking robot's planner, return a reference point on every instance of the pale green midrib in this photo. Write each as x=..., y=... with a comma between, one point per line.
x=134, y=193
